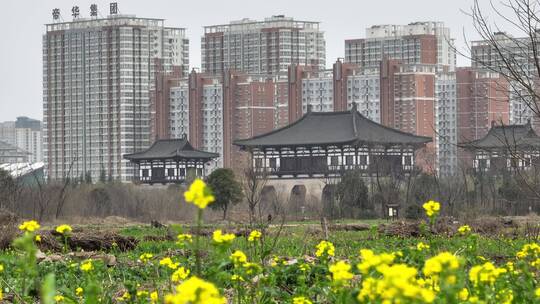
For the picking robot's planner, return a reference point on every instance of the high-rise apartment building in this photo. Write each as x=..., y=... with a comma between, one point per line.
x=213, y=111
x=333, y=90
x=8, y=133
x=28, y=137
x=262, y=47
x=97, y=77
x=482, y=99
x=25, y=134
x=415, y=43
x=446, y=138
x=518, y=52
x=364, y=90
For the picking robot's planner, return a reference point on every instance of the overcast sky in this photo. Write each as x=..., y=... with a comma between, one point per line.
x=23, y=22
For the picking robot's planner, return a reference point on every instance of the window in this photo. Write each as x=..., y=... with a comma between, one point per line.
x=170, y=172
x=408, y=160
x=334, y=161
x=273, y=163
x=363, y=159
x=145, y=172
x=258, y=162
x=349, y=160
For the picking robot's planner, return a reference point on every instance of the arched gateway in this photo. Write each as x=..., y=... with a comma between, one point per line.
x=323, y=145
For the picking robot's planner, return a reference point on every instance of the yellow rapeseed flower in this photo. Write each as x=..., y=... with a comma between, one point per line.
x=304, y=267
x=87, y=266
x=252, y=268
x=421, y=246
x=325, y=248
x=301, y=300
x=195, y=291
x=58, y=298
x=29, y=226
x=444, y=261
x=398, y=284
x=463, y=230
x=463, y=294
x=530, y=251
x=142, y=294
x=125, y=297
x=37, y=238
x=154, y=297
x=184, y=238
x=238, y=257
x=485, y=274
x=199, y=194
x=341, y=271
x=221, y=238
x=145, y=257
x=537, y=292
x=179, y=274
x=79, y=292
x=254, y=236
x=432, y=208
x=64, y=229
x=237, y=278
x=371, y=260
x=1, y=267
x=166, y=261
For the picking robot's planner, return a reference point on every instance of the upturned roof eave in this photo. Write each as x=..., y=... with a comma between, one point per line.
x=354, y=141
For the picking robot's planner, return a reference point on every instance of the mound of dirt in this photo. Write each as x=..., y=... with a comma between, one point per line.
x=87, y=241
x=400, y=229
x=349, y=227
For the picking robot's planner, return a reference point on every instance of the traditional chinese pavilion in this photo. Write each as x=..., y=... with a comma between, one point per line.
x=506, y=148
x=169, y=161
x=322, y=144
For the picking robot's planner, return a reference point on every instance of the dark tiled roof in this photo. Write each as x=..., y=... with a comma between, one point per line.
x=171, y=149
x=509, y=136
x=325, y=128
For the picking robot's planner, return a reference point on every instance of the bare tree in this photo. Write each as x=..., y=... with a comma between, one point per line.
x=254, y=181
x=517, y=58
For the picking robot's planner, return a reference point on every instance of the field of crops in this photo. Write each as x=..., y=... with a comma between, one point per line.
x=300, y=263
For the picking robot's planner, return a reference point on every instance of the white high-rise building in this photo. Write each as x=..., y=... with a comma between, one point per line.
x=179, y=112
x=262, y=47
x=209, y=112
x=446, y=137
x=318, y=92
x=212, y=114
x=364, y=90
x=97, y=74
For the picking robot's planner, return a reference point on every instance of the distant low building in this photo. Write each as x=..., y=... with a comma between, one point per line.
x=25, y=134
x=506, y=148
x=169, y=161
x=28, y=173
x=10, y=154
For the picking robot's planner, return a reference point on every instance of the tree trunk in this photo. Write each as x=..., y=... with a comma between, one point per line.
x=224, y=212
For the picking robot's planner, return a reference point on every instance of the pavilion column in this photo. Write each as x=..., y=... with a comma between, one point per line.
x=177, y=170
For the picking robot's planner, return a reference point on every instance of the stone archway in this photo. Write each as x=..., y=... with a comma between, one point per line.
x=328, y=201
x=270, y=204
x=297, y=200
